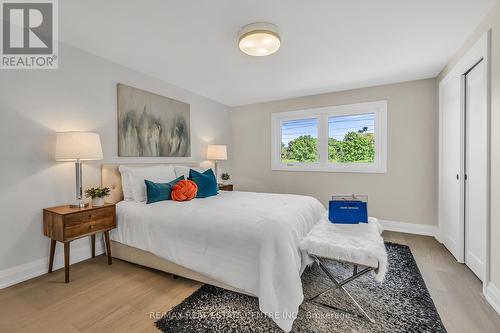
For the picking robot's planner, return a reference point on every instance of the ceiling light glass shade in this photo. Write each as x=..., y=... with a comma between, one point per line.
x=259, y=39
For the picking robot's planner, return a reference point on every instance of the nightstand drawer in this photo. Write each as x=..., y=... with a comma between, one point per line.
x=90, y=227
x=226, y=187
x=85, y=217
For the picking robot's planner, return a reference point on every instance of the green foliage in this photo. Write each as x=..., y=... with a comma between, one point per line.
x=97, y=192
x=284, y=151
x=225, y=176
x=334, y=149
x=355, y=147
x=302, y=149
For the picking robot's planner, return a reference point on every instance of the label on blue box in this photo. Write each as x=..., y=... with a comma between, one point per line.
x=348, y=211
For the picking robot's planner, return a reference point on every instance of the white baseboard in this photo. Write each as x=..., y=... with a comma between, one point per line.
x=493, y=296
x=17, y=274
x=410, y=228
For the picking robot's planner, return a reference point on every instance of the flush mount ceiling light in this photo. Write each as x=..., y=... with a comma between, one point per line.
x=259, y=39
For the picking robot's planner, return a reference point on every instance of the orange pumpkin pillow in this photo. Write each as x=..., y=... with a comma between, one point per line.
x=184, y=190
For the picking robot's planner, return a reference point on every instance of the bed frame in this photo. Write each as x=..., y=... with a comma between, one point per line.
x=111, y=178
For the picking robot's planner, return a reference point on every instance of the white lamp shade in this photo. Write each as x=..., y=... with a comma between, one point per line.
x=71, y=146
x=217, y=152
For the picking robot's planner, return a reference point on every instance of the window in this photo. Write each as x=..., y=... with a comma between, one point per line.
x=302, y=136
x=346, y=138
x=351, y=139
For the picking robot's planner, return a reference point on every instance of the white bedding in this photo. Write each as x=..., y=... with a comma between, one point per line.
x=247, y=240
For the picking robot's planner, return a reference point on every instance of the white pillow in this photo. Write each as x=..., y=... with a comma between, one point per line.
x=181, y=170
x=126, y=188
x=134, y=188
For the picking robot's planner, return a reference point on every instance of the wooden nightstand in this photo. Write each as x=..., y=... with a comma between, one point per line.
x=226, y=187
x=65, y=224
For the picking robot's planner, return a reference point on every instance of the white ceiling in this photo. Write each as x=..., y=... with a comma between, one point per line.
x=327, y=45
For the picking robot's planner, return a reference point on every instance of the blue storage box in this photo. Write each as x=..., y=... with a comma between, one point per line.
x=352, y=210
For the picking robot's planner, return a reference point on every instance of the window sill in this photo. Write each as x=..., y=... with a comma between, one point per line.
x=360, y=168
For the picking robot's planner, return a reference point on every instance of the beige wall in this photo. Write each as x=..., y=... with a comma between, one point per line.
x=492, y=21
x=406, y=193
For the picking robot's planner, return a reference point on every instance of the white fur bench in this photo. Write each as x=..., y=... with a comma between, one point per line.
x=356, y=244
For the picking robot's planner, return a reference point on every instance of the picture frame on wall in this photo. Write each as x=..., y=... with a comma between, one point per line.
x=151, y=125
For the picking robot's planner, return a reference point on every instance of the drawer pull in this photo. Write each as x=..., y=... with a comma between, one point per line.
x=91, y=227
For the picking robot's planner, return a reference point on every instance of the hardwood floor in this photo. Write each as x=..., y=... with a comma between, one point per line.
x=121, y=297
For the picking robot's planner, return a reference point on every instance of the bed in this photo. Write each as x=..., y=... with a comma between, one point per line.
x=242, y=241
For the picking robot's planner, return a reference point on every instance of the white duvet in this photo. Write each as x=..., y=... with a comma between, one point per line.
x=247, y=240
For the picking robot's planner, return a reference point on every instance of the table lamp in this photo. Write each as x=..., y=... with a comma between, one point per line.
x=217, y=153
x=78, y=147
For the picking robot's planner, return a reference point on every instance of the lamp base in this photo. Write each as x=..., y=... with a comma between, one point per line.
x=79, y=205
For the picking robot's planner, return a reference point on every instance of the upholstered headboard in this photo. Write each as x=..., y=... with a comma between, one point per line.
x=110, y=177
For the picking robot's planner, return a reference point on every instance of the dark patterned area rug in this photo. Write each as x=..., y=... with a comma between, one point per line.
x=400, y=304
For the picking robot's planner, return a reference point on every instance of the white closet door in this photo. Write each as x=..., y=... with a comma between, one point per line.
x=476, y=167
x=451, y=160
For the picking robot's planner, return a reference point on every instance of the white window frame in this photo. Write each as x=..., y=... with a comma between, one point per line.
x=378, y=108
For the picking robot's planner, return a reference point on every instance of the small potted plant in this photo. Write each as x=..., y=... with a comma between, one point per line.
x=97, y=194
x=225, y=177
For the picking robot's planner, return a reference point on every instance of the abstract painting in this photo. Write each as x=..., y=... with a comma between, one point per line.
x=150, y=125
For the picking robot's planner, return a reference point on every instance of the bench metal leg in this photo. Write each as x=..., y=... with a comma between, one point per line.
x=340, y=285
